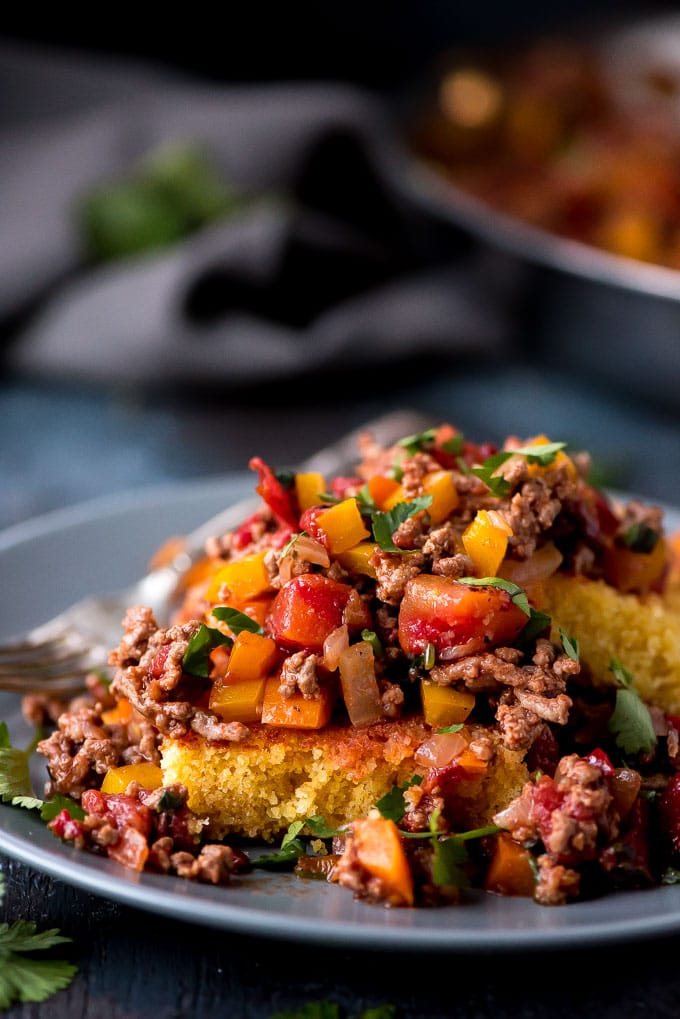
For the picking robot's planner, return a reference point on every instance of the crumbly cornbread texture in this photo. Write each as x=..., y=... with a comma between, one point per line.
x=258, y=787
x=641, y=632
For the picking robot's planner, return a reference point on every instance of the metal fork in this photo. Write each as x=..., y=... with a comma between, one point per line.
x=55, y=657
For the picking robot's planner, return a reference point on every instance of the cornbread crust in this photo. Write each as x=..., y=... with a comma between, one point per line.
x=641, y=632
x=276, y=776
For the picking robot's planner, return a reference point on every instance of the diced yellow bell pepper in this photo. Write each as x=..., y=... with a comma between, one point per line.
x=296, y=711
x=358, y=559
x=252, y=657
x=438, y=484
x=238, y=702
x=445, y=498
x=444, y=705
x=343, y=526
x=241, y=580
x=485, y=540
x=380, y=489
x=308, y=487
x=117, y=780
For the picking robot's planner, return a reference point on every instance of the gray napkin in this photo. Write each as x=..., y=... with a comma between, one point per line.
x=325, y=264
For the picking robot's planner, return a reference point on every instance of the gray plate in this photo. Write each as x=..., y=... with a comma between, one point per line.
x=49, y=562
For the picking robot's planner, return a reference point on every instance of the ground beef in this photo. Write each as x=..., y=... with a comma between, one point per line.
x=393, y=571
x=298, y=672
x=150, y=675
x=81, y=751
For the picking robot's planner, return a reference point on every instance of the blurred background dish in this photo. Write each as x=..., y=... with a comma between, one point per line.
x=562, y=151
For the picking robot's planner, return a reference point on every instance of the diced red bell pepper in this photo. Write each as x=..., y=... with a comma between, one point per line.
x=280, y=501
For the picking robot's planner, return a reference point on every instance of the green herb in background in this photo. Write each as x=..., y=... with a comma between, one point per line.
x=171, y=193
x=329, y=1010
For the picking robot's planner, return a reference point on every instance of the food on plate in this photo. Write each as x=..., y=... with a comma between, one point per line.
x=457, y=666
x=564, y=136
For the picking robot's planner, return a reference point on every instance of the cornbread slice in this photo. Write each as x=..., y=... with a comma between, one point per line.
x=256, y=788
x=643, y=633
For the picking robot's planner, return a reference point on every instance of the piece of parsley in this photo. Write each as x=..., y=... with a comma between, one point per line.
x=196, y=660
x=15, y=781
x=386, y=523
x=26, y=979
x=630, y=723
x=392, y=805
x=292, y=845
x=570, y=646
x=236, y=620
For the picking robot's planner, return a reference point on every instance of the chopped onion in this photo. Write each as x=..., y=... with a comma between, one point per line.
x=359, y=685
x=304, y=549
x=440, y=749
x=541, y=565
x=335, y=643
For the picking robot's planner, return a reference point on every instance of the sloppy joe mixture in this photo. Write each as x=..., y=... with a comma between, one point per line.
x=415, y=588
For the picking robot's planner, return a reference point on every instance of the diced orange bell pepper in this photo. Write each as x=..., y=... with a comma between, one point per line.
x=444, y=705
x=296, y=711
x=252, y=657
x=397, y=496
x=358, y=559
x=379, y=851
x=120, y=715
x=241, y=580
x=117, y=780
x=238, y=702
x=343, y=526
x=380, y=489
x=445, y=498
x=308, y=487
x=486, y=541
x=510, y=871
x=561, y=460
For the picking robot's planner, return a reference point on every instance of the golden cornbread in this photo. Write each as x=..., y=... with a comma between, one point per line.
x=258, y=787
x=642, y=632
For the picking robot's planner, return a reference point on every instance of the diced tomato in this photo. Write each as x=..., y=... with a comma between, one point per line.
x=280, y=500
x=601, y=761
x=545, y=799
x=307, y=609
x=125, y=811
x=65, y=826
x=244, y=535
x=309, y=524
x=457, y=618
x=157, y=666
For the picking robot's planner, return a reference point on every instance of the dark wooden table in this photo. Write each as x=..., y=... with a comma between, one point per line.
x=59, y=447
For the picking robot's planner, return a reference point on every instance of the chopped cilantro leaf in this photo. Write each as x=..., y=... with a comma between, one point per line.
x=392, y=805
x=15, y=779
x=456, y=727
x=385, y=524
x=542, y=453
x=630, y=722
x=570, y=645
x=517, y=594
x=418, y=441
x=282, y=858
x=196, y=659
x=235, y=620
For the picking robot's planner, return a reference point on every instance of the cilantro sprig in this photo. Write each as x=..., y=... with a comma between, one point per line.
x=16, y=787
x=25, y=979
x=392, y=805
x=292, y=844
x=630, y=723
x=386, y=523
x=542, y=453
